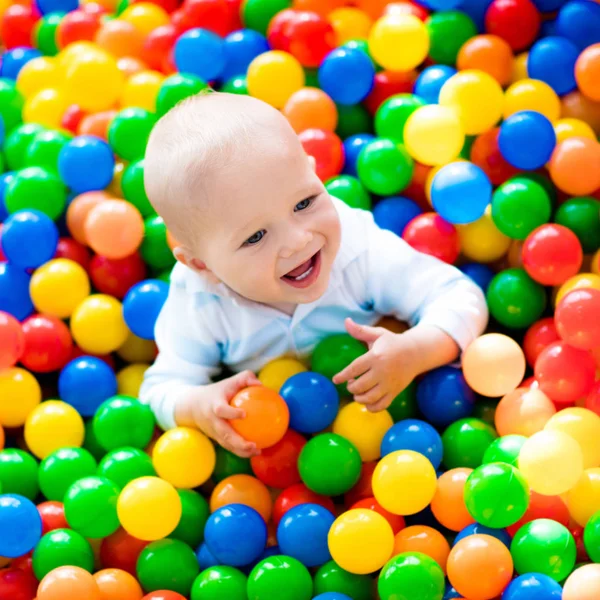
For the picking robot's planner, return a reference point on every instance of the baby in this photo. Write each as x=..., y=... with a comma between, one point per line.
x=269, y=264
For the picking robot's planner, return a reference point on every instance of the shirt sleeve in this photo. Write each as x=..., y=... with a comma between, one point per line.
x=419, y=288
x=189, y=354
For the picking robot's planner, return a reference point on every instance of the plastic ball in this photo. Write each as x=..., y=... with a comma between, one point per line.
x=448, y=504
x=282, y=573
x=327, y=150
x=578, y=22
x=411, y=573
x=395, y=213
x=523, y=412
x=412, y=434
x=580, y=215
x=533, y=586
x=350, y=190
x=201, y=53
x=128, y=132
x=482, y=241
x=20, y=393
x=448, y=31
x=566, y=128
x=430, y=82
x=68, y=582
x=217, y=580
x=311, y=108
x=59, y=548
x=552, y=60
x=331, y=578
x=423, y=539
x=431, y=234
x=121, y=551
x=115, y=584
x=295, y=495
x=583, y=583
x=392, y=115
x=482, y=275
x=18, y=584
x=48, y=344
x=175, y=88
x=587, y=69
x=534, y=95
x=477, y=529
x=384, y=167
x=12, y=341
x=124, y=465
x=141, y=90
x=465, y=442
x=142, y=305
x=570, y=163
x=488, y=53
x=21, y=525
x=276, y=372
x=154, y=249
x=242, y=489
x=63, y=467
x=277, y=466
x=583, y=500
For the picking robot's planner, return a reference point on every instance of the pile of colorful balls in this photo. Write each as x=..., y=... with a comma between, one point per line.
x=470, y=128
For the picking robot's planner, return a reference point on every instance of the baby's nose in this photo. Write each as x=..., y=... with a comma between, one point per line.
x=295, y=241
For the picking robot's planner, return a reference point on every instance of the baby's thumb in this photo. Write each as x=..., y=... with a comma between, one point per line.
x=240, y=381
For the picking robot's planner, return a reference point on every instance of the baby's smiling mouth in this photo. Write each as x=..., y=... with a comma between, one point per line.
x=305, y=273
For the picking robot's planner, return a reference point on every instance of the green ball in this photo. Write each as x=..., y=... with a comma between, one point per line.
x=505, y=449
x=176, y=88
x=236, y=85
x=582, y=217
x=124, y=465
x=123, y=421
x=411, y=575
x=217, y=583
x=60, y=548
x=544, y=546
x=11, y=104
x=350, y=190
x=44, y=149
x=329, y=464
x=17, y=144
x=448, y=31
x=404, y=405
x=19, y=473
x=194, y=514
x=392, y=115
x=129, y=131
x=228, y=464
x=519, y=206
x=38, y=189
x=465, y=151
x=62, y=468
x=465, y=442
x=591, y=537
x=332, y=578
x=311, y=77
x=385, y=167
x=281, y=577
x=545, y=182
x=134, y=191
x=90, y=441
x=485, y=409
x=257, y=14
x=154, y=249
x=167, y=565
x=91, y=507
x=496, y=495
x=515, y=300
x=44, y=33
x=353, y=119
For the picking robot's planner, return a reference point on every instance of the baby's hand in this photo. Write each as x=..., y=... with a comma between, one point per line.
x=377, y=377
x=210, y=410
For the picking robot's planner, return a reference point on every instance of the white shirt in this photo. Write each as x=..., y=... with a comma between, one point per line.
x=203, y=325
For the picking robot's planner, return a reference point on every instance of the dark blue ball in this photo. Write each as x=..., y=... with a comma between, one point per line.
x=416, y=435
x=552, y=59
x=14, y=291
x=533, y=586
x=241, y=48
x=205, y=557
x=352, y=147
x=579, y=22
x=142, y=305
x=480, y=274
x=476, y=528
x=395, y=213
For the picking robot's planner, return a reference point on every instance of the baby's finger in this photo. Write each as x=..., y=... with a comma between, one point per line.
x=363, y=384
x=355, y=369
x=373, y=395
x=234, y=442
x=239, y=382
x=226, y=411
x=380, y=404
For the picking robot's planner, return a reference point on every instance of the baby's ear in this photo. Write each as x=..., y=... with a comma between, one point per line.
x=183, y=255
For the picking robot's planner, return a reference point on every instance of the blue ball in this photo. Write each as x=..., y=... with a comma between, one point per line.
x=476, y=528
x=86, y=163
x=395, y=213
x=61, y=6
x=14, y=60
x=236, y=535
x=352, y=147
x=526, y=140
x=413, y=434
x=332, y=596
x=241, y=48
x=205, y=557
x=20, y=524
x=533, y=586
x=460, y=192
x=552, y=60
x=85, y=383
x=476, y=9
x=142, y=305
x=450, y=593
x=579, y=22
x=430, y=82
x=443, y=396
x=441, y=4
x=313, y=401
x=346, y=75
x=5, y=179
x=200, y=52
x=547, y=6
x=302, y=534
x=547, y=29
x=14, y=292
x=482, y=275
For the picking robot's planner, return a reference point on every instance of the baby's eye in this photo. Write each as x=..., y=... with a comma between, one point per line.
x=254, y=239
x=303, y=204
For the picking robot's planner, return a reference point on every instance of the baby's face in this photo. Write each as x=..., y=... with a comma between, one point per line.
x=271, y=232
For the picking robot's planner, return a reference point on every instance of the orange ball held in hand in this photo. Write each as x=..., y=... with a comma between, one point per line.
x=448, y=505
x=267, y=416
x=523, y=412
x=575, y=166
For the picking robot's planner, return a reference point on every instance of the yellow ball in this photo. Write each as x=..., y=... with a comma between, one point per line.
x=20, y=393
x=184, y=457
x=583, y=426
x=595, y=266
x=130, y=378
x=275, y=373
x=567, y=128
x=145, y=16
x=482, y=241
x=476, y=96
x=532, y=94
x=410, y=472
x=149, y=508
x=361, y=541
x=584, y=499
x=551, y=462
x=137, y=350
x=58, y=287
x=46, y=107
x=399, y=42
x=53, y=425
x=520, y=67
x=97, y=324
x=349, y=24
x=75, y=51
x=433, y=135
x=577, y=282
x=38, y=74
x=141, y=90
x=363, y=428
x=274, y=76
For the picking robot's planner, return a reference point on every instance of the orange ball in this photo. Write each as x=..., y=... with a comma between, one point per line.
x=78, y=211
x=243, y=489
x=490, y=54
x=115, y=584
x=523, y=412
x=574, y=166
x=68, y=583
x=577, y=106
x=267, y=416
x=114, y=229
x=448, y=504
x=480, y=567
x=420, y=538
x=130, y=66
x=587, y=72
x=120, y=38
x=321, y=7
x=97, y=124
x=311, y=107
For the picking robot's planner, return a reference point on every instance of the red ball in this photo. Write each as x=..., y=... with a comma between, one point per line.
x=429, y=233
x=235, y=14
x=278, y=32
x=121, y=551
x=541, y=334
x=592, y=402
x=214, y=15
x=551, y=254
x=295, y=495
x=48, y=344
x=485, y=153
x=311, y=38
x=396, y=521
x=72, y=117
x=168, y=5
x=542, y=507
x=386, y=84
x=93, y=8
x=73, y=250
x=326, y=148
x=53, y=516
x=163, y=595
x=17, y=24
x=565, y=374
x=16, y=584
x=530, y=382
x=363, y=487
x=78, y=25
x=12, y=341
x=277, y=466
x=407, y=8
x=515, y=21
x=158, y=45
x=116, y=276
x=577, y=318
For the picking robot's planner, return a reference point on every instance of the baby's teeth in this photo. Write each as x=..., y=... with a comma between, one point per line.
x=304, y=275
